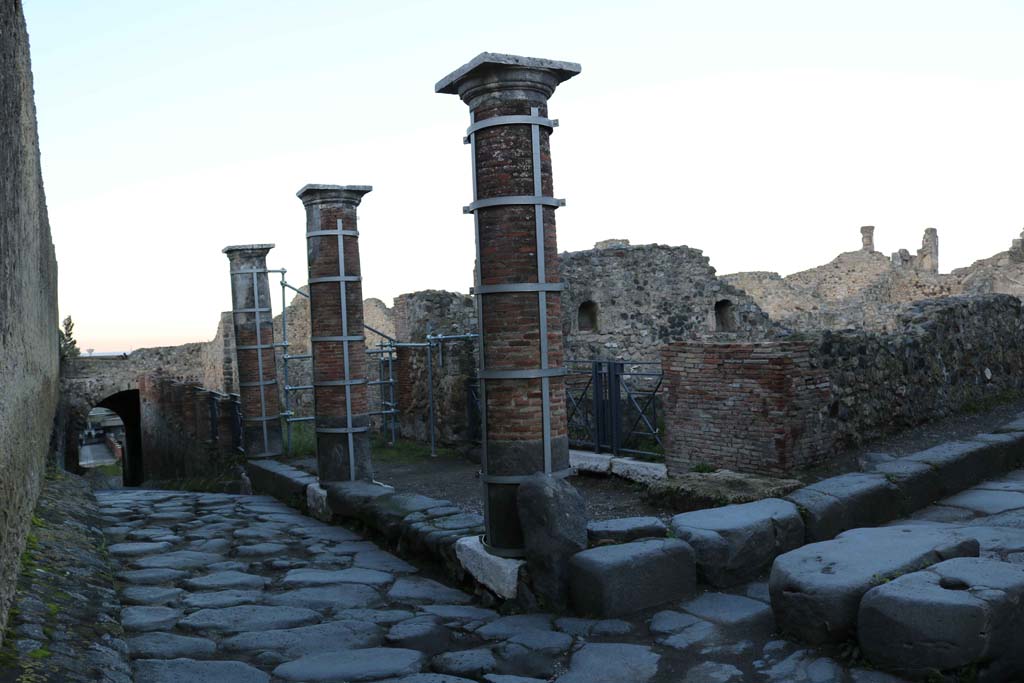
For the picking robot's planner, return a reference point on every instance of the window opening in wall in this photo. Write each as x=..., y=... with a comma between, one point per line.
x=725, y=316
x=587, y=317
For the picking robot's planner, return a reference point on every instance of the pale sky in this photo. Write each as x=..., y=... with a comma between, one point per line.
x=763, y=133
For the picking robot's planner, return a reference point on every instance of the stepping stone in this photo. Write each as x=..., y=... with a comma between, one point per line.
x=306, y=640
x=248, y=618
x=817, y=589
x=424, y=633
x=849, y=501
x=948, y=617
x=151, y=576
x=228, y=598
x=507, y=627
x=617, y=580
x=149, y=618
x=336, y=597
x=227, y=579
x=625, y=529
x=612, y=663
x=321, y=577
x=150, y=595
x=137, y=548
x=735, y=543
x=352, y=665
x=192, y=671
x=469, y=663
x=414, y=589
x=733, y=611
x=170, y=646
x=179, y=559
x=985, y=501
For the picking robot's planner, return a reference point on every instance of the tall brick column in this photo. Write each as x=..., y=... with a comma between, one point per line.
x=336, y=322
x=254, y=349
x=518, y=287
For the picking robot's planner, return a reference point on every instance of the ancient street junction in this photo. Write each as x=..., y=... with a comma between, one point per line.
x=599, y=467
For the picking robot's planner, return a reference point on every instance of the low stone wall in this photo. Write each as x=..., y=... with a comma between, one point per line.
x=773, y=407
x=189, y=431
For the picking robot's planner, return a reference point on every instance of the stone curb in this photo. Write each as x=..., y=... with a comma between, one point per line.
x=628, y=468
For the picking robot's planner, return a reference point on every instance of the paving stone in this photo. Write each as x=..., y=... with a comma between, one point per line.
x=701, y=633
x=986, y=501
x=575, y=626
x=137, y=548
x=170, y=646
x=218, y=546
x=424, y=633
x=321, y=577
x=942, y=514
x=612, y=663
x=546, y=642
x=947, y=617
x=668, y=622
x=617, y=580
x=260, y=549
x=611, y=627
x=868, y=676
x=329, y=533
x=147, y=577
x=248, y=618
x=507, y=627
x=735, y=543
x=713, y=672
x=149, y=618
x=732, y=611
x=430, y=678
x=505, y=678
x=469, y=663
x=461, y=612
x=385, y=617
x=382, y=561
x=150, y=595
x=817, y=589
x=849, y=501
x=179, y=559
x=306, y=640
x=625, y=529
x=1013, y=519
x=415, y=590
x=192, y=671
x=352, y=665
x=227, y=598
x=336, y=597
x=226, y=580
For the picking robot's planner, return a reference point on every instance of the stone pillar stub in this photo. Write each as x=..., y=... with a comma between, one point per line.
x=517, y=286
x=340, y=393
x=254, y=349
x=867, y=237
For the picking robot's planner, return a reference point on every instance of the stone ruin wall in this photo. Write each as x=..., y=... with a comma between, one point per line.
x=777, y=406
x=646, y=296
x=29, y=358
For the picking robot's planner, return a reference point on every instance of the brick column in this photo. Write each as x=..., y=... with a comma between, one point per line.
x=254, y=349
x=340, y=401
x=517, y=286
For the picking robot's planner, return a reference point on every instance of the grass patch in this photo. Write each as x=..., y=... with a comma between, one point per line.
x=112, y=470
x=703, y=468
x=303, y=439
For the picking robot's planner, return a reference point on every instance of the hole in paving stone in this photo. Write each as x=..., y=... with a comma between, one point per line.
x=953, y=584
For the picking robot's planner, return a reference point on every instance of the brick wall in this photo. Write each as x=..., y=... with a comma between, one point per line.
x=772, y=407
x=749, y=407
x=187, y=431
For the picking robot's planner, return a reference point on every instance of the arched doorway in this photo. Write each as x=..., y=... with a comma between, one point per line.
x=85, y=431
x=125, y=404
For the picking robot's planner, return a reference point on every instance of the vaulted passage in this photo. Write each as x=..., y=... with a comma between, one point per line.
x=126, y=405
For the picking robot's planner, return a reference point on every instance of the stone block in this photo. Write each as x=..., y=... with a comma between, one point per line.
x=284, y=482
x=617, y=580
x=638, y=470
x=848, y=501
x=499, y=574
x=596, y=463
x=918, y=482
x=735, y=543
x=554, y=522
x=961, y=464
x=625, y=529
x=816, y=590
x=316, y=503
x=961, y=613
x=352, y=498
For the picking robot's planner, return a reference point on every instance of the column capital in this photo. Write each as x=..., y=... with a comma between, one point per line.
x=239, y=251
x=505, y=77
x=315, y=194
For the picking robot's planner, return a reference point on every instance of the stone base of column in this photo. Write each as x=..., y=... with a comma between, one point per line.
x=337, y=455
